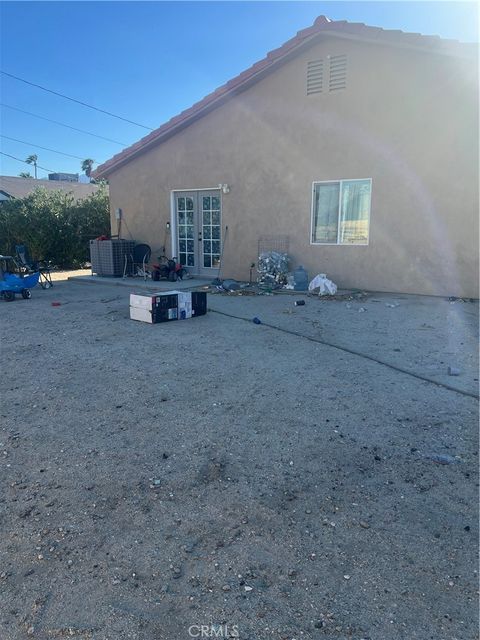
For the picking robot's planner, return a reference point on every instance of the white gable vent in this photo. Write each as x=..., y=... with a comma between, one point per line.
x=314, y=77
x=338, y=73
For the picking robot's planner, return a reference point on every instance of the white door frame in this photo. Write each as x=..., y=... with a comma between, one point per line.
x=173, y=217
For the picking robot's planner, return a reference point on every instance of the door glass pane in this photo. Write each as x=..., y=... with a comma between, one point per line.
x=355, y=211
x=211, y=231
x=185, y=229
x=325, y=212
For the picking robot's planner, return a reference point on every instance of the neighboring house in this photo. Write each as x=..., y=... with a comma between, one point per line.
x=355, y=146
x=14, y=187
x=65, y=177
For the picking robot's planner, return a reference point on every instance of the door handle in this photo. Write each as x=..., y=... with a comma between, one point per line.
x=199, y=236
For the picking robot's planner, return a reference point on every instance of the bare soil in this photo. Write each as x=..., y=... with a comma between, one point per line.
x=215, y=471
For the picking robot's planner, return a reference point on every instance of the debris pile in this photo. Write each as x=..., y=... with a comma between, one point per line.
x=273, y=269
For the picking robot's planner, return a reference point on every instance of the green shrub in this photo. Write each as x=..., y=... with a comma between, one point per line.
x=54, y=226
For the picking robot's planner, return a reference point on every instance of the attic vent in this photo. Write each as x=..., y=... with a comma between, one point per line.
x=338, y=73
x=314, y=77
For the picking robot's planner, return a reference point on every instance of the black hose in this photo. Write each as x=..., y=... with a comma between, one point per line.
x=356, y=353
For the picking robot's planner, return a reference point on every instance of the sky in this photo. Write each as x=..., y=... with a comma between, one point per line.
x=147, y=61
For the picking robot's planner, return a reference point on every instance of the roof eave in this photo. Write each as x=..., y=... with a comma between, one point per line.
x=326, y=30
x=212, y=105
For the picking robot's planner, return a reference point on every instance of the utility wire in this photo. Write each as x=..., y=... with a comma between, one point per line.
x=84, y=104
x=7, y=106
x=39, y=147
x=25, y=162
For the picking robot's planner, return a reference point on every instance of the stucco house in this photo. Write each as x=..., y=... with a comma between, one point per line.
x=356, y=146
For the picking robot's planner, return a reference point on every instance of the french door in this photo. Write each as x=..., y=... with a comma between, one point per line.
x=199, y=230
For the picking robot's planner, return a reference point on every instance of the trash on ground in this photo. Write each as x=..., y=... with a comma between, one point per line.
x=453, y=371
x=440, y=458
x=256, y=320
x=362, y=310
x=273, y=269
x=392, y=305
x=325, y=286
x=290, y=282
x=300, y=277
x=299, y=303
x=167, y=305
x=231, y=285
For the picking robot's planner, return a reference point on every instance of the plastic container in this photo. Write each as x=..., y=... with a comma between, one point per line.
x=300, y=277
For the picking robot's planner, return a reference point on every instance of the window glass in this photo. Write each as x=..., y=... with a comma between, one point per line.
x=325, y=212
x=355, y=210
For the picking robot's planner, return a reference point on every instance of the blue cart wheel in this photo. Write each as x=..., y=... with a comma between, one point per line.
x=26, y=293
x=8, y=296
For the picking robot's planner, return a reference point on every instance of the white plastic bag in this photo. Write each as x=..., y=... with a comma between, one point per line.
x=325, y=286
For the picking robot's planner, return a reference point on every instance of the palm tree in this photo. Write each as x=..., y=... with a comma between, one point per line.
x=33, y=160
x=25, y=174
x=87, y=166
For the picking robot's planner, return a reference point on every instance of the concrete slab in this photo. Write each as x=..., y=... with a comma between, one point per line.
x=139, y=283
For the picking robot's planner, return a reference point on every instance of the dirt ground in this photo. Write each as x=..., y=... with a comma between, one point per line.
x=218, y=472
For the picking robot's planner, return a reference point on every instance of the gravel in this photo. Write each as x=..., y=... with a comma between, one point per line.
x=218, y=472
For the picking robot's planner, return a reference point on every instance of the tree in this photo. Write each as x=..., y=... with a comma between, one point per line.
x=25, y=174
x=33, y=160
x=87, y=166
x=54, y=225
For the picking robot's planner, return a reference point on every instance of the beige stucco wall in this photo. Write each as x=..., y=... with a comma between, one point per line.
x=407, y=119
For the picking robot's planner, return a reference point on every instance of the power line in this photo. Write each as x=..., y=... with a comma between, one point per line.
x=84, y=104
x=30, y=144
x=25, y=162
x=123, y=144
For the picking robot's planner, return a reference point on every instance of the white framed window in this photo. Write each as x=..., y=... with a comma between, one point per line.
x=341, y=211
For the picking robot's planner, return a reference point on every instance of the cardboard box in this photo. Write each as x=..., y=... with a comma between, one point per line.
x=154, y=308
x=167, y=305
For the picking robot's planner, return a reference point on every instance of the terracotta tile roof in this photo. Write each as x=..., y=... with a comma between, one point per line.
x=321, y=26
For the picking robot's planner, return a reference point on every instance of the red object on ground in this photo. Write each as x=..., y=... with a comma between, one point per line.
x=56, y=304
